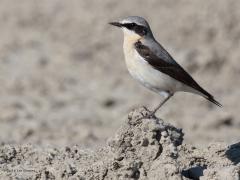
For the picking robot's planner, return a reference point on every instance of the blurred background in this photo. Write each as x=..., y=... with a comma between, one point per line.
x=64, y=81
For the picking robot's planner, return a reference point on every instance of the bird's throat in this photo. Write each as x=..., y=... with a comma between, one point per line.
x=128, y=44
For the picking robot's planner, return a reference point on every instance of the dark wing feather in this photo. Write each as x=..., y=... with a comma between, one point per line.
x=171, y=68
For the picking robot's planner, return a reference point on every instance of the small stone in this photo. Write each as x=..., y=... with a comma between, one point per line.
x=67, y=149
x=145, y=142
x=119, y=158
x=116, y=165
x=164, y=134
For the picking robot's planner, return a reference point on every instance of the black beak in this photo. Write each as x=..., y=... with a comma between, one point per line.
x=116, y=24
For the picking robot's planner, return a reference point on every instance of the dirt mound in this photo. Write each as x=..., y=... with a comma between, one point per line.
x=141, y=149
x=64, y=80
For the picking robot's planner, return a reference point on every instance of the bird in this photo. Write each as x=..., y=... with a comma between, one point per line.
x=150, y=64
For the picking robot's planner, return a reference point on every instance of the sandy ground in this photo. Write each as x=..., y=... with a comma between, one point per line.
x=64, y=81
x=140, y=149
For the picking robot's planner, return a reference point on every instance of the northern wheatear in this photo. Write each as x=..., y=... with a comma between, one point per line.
x=150, y=64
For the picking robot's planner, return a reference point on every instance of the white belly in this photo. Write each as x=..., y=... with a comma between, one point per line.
x=148, y=76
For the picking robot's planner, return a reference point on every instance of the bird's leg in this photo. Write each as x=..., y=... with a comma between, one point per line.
x=152, y=113
x=160, y=105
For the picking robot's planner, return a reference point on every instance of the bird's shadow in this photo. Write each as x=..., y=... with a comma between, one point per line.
x=233, y=153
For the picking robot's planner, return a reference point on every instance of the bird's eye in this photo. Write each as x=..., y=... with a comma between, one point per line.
x=141, y=30
x=131, y=25
x=144, y=31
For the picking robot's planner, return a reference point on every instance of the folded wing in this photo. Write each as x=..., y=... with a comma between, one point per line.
x=167, y=65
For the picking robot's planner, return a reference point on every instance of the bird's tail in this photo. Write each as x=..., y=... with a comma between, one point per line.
x=211, y=98
x=208, y=96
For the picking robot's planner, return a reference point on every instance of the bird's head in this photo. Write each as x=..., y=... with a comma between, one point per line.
x=134, y=27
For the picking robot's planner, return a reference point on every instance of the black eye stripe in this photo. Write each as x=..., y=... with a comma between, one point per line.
x=130, y=26
x=141, y=30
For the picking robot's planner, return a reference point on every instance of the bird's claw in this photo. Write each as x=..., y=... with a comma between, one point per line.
x=148, y=116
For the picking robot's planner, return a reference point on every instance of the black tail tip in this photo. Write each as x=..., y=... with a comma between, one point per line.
x=214, y=101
